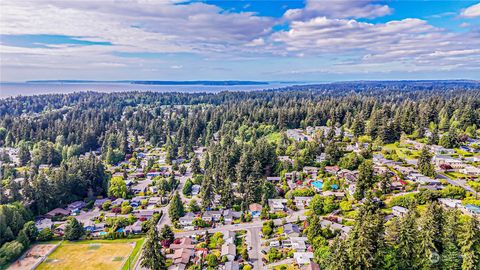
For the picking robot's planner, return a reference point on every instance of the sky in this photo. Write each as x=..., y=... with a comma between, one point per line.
x=281, y=40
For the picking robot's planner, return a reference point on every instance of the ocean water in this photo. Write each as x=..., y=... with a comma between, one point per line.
x=29, y=89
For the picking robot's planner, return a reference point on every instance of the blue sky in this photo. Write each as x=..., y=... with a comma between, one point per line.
x=313, y=40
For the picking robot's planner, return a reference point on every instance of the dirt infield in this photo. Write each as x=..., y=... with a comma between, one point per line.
x=33, y=257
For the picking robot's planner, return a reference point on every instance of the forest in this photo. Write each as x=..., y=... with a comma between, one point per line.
x=243, y=133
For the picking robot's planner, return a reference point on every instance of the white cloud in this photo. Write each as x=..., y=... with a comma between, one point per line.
x=410, y=41
x=327, y=30
x=472, y=11
x=338, y=9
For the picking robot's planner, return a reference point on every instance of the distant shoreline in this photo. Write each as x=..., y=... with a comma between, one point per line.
x=148, y=82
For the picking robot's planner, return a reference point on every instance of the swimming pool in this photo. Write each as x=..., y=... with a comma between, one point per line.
x=317, y=184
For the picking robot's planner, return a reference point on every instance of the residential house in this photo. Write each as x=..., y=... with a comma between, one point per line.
x=43, y=223
x=332, y=169
x=335, y=194
x=291, y=229
x=274, y=179
x=141, y=186
x=181, y=256
x=182, y=243
x=344, y=230
x=154, y=201
x=135, y=228
x=277, y=204
x=297, y=243
x=448, y=160
x=302, y=202
x=99, y=202
x=440, y=150
x=321, y=158
x=470, y=170
x=399, y=211
x=57, y=212
x=297, y=135
x=255, y=209
x=76, y=206
x=195, y=190
x=118, y=202
x=452, y=203
x=209, y=216
x=302, y=258
x=187, y=219
x=144, y=214
x=229, y=216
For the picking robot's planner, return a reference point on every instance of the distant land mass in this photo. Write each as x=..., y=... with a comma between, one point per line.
x=158, y=82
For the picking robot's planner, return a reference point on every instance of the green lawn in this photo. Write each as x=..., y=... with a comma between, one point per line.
x=402, y=152
x=274, y=137
x=463, y=153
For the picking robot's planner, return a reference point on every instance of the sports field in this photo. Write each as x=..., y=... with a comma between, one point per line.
x=90, y=255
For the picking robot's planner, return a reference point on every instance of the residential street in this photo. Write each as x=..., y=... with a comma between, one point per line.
x=457, y=182
x=255, y=254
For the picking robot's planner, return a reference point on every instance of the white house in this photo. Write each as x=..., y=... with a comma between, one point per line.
x=303, y=257
x=399, y=211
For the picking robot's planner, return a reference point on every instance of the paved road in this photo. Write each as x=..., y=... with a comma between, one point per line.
x=165, y=219
x=255, y=254
x=458, y=182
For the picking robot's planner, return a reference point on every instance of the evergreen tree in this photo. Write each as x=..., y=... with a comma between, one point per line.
x=74, y=230
x=196, y=166
x=385, y=182
x=166, y=234
x=407, y=242
x=176, y=209
x=451, y=258
x=425, y=165
x=469, y=240
x=24, y=154
x=365, y=179
x=338, y=259
x=153, y=257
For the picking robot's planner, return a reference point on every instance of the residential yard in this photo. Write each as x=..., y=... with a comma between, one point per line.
x=402, y=152
x=90, y=255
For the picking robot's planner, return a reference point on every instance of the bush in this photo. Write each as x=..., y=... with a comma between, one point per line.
x=106, y=205
x=10, y=251
x=45, y=235
x=453, y=192
x=404, y=200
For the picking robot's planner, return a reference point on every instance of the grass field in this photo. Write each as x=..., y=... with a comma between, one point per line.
x=96, y=254
x=401, y=151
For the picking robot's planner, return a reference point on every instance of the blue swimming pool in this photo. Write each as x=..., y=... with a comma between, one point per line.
x=317, y=184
